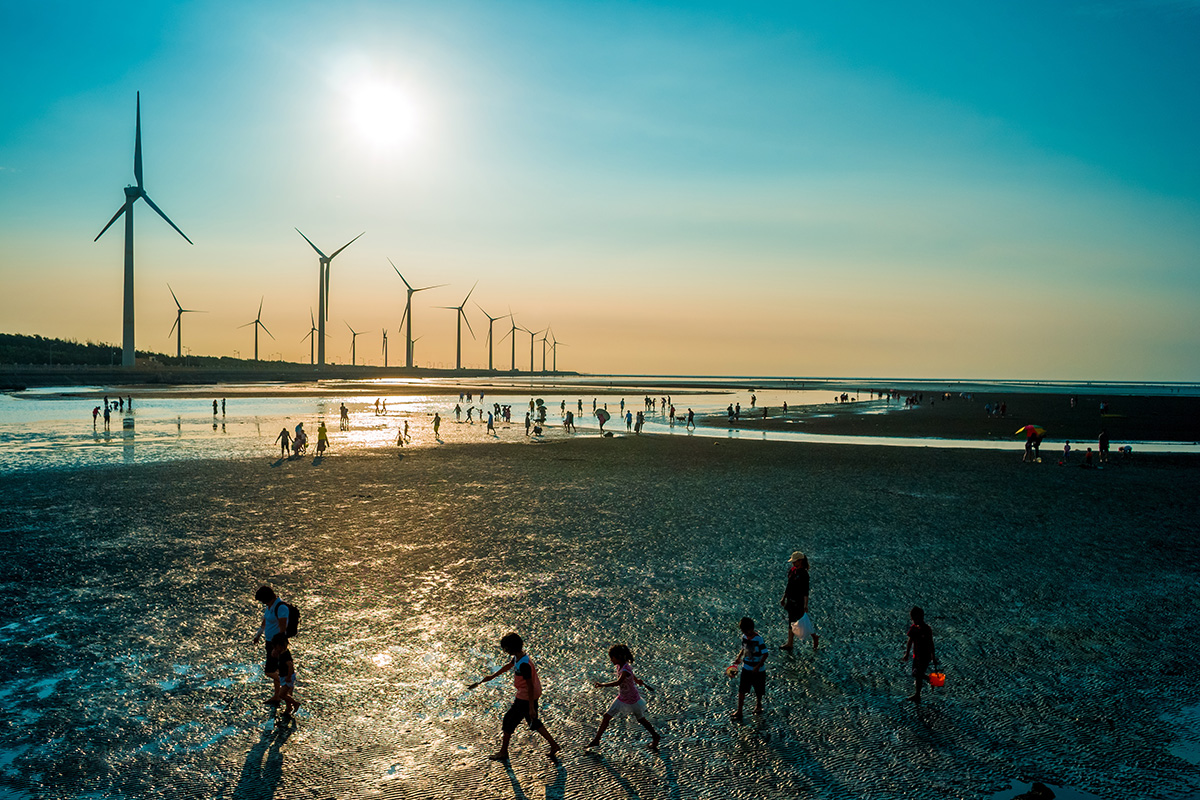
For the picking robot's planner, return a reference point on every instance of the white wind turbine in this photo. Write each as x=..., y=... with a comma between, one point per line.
x=257, y=323
x=177, y=328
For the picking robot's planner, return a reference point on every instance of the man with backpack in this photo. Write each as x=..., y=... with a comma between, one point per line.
x=279, y=618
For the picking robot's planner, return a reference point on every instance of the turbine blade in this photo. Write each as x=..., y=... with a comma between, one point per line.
x=173, y=326
x=466, y=320
x=311, y=320
x=173, y=297
x=505, y=336
x=137, y=145
x=402, y=317
x=468, y=297
x=120, y=211
x=150, y=203
x=305, y=336
x=260, y=302
x=264, y=327
x=347, y=244
x=310, y=244
x=406, y=283
x=248, y=324
x=423, y=288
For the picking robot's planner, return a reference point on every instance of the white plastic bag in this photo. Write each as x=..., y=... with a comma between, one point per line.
x=803, y=627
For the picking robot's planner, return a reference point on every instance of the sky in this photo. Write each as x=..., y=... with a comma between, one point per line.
x=871, y=189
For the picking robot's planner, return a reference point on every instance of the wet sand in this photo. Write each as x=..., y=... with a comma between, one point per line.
x=1062, y=600
x=1127, y=419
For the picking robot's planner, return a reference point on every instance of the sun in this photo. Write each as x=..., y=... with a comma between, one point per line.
x=382, y=115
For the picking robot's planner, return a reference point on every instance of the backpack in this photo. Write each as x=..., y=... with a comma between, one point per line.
x=293, y=617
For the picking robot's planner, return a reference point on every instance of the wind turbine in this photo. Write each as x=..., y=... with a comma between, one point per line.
x=554, y=354
x=490, y=319
x=385, y=347
x=353, y=338
x=312, y=340
x=408, y=340
x=177, y=328
x=544, y=337
x=257, y=323
x=462, y=316
x=532, y=336
x=513, y=332
x=413, y=348
x=132, y=193
x=323, y=292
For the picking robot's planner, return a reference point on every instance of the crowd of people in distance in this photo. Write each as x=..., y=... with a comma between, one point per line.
x=280, y=622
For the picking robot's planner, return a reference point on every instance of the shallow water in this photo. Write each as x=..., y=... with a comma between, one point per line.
x=51, y=428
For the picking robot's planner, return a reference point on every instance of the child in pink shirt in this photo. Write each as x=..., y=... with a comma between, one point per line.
x=629, y=701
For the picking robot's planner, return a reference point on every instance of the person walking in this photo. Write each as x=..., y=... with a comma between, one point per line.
x=285, y=441
x=920, y=646
x=274, y=624
x=629, y=700
x=528, y=690
x=795, y=599
x=437, y=423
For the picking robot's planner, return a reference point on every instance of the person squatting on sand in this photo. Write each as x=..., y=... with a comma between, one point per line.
x=628, y=701
x=920, y=646
x=528, y=690
x=795, y=598
x=274, y=624
x=753, y=660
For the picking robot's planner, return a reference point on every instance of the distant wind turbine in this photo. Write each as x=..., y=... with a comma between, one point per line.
x=532, y=337
x=132, y=193
x=323, y=292
x=312, y=339
x=353, y=338
x=512, y=331
x=462, y=316
x=408, y=340
x=177, y=328
x=490, y=319
x=546, y=334
x=554, y=353
x=257, y=323
x=414, y=344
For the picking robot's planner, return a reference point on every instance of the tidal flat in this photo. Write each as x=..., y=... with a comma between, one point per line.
x=1063, y=603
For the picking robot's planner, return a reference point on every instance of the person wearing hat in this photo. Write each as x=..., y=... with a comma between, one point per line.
x=795, y=597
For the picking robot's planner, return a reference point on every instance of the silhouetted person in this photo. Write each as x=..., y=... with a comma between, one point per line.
x=285, y=440
x=214, y=408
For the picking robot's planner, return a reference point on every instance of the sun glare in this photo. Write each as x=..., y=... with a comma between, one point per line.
x=382, y=115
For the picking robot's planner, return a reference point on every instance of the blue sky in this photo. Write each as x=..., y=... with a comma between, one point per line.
x=867, y=189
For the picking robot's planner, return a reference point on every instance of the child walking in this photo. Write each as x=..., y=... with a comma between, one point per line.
x=629, y=701
x=753, y=659
x=528, y=689
x=287, y=676
x=920, y=646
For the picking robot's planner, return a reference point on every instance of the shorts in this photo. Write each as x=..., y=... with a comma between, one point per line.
x=753, y=680
x=794, y=611
x=515, y=714
x=920, y=668
x=271, y=667
x=288, y=681
x=622, y=709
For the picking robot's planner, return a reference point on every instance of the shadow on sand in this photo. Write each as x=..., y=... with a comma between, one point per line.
x=260, y=776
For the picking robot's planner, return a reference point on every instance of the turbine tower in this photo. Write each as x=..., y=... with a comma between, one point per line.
x=132, y=193
x=554, y=354
x=408, y=340
x=490, y=319
x=545, y=335
x=323, y=292
x=385, y=347
x=532, y=337
x=177, y=328
x=353, y=338
x=312, y=339
x=462, y=315
x=257, y=323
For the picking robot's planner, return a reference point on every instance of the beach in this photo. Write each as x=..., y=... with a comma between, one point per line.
x=1062, y=602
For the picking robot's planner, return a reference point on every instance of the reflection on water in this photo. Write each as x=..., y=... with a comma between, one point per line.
x=44, y=430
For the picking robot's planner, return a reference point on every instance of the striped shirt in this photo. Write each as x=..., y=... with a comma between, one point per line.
x=754, y=653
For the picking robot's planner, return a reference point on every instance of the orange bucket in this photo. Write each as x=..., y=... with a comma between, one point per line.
x=937, y=679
